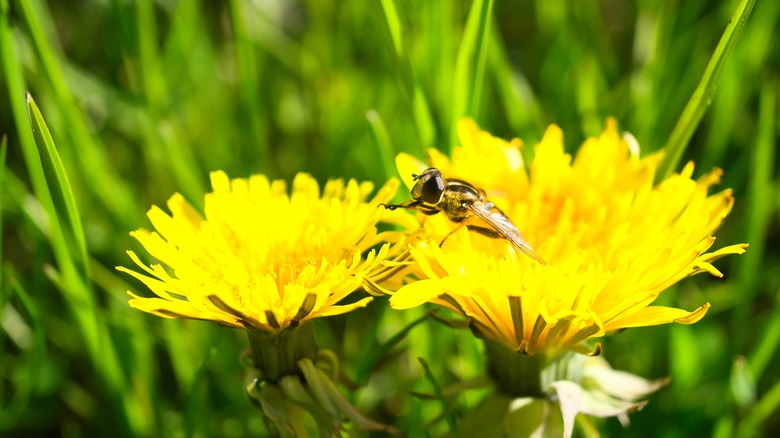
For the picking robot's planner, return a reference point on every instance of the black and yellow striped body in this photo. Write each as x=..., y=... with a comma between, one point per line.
x=458, y=196
x=433, y=194
x=460, y=201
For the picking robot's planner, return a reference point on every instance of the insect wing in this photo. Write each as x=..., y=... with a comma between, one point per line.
x=499, y=222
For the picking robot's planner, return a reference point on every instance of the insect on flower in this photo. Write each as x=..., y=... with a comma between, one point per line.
x=461, y=202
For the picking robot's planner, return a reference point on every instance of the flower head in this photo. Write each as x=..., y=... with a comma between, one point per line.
x=612, y=240
x=260, y=257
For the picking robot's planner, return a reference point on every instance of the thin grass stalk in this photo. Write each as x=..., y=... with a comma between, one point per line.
x=94, y=164
x=702, y=97
x=384, y=146
x=248, y=86
x=163, y=133
x=28, y=383
x=470, y=66
x=72, y=283
x=403, y=66
x=759, y=212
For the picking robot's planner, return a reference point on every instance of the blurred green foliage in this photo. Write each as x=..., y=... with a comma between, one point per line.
x=144, y=98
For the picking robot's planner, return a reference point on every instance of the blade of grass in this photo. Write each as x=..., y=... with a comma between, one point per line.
x=437, y=390
x=685, y=356
x=724, y=428
x=101, y=350
x=383, y=144
x=742, y=383
x=144, y=360
x=376, y=354
x=522, y=108
x=3, y=153
x=403, y=66
x=759, y=413
x=590, y=87
x=196, y=405
x=480, y=55
x=748, y=64
x=30, y=378
x=660, y=45
x=179, y=346
x=74, y=287
x=16, y=86
x=438, y=51
x=759, y=211
x=90, y=155
x=470, y=66
x=77, y=285
x=767, y=345
x=268, y=35
x=702, y=97
x=248, y=85
x=593, y=66
x=759, y=217
x=648, y=52
x=59, y=187
x=163, y=133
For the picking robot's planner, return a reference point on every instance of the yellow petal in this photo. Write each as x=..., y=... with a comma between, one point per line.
x=339, y=310
x=656, y=315
x=260, y=254
x=415, y=294
x=407, y=165
x=613, y=239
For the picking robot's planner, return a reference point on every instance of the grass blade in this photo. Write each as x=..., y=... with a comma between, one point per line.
x=3, y=154
x=72, y=282
x=248, y=85
x=16, y=85
x=368, y=364
x=196, y=405
x=759, y=211
x=59, y=186
x=439, y=395
x=760, y=413
x=383, y=144
x=28, y=378
x=767, y=345
x=758, y=220
x=470, y=65
x=522, y=108
x=164, y=132
x=90, y=155
x=420, y=108
x=77, y=286
x=702, y=97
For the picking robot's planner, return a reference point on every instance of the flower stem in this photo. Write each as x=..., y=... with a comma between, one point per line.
x=276, y=355
x=515, y=374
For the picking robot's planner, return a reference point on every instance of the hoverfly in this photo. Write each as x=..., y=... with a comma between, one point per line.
x=460, y=201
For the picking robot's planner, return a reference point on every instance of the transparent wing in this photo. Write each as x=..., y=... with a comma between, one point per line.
x=503, y=226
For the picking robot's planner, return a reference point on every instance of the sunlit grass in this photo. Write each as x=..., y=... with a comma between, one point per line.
x=144, y=98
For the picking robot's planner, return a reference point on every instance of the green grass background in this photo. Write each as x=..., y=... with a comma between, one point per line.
x=144, y=98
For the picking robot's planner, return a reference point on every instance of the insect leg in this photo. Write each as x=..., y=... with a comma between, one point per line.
x=460, y=225
x=413, y=204
x=487, y=232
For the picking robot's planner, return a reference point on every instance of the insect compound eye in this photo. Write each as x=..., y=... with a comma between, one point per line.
x=429, y=187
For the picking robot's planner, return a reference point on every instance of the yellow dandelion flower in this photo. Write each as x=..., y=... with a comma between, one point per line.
x=611, y=238
x=262, y=258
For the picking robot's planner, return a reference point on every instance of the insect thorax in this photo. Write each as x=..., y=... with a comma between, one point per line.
x=458, y=195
